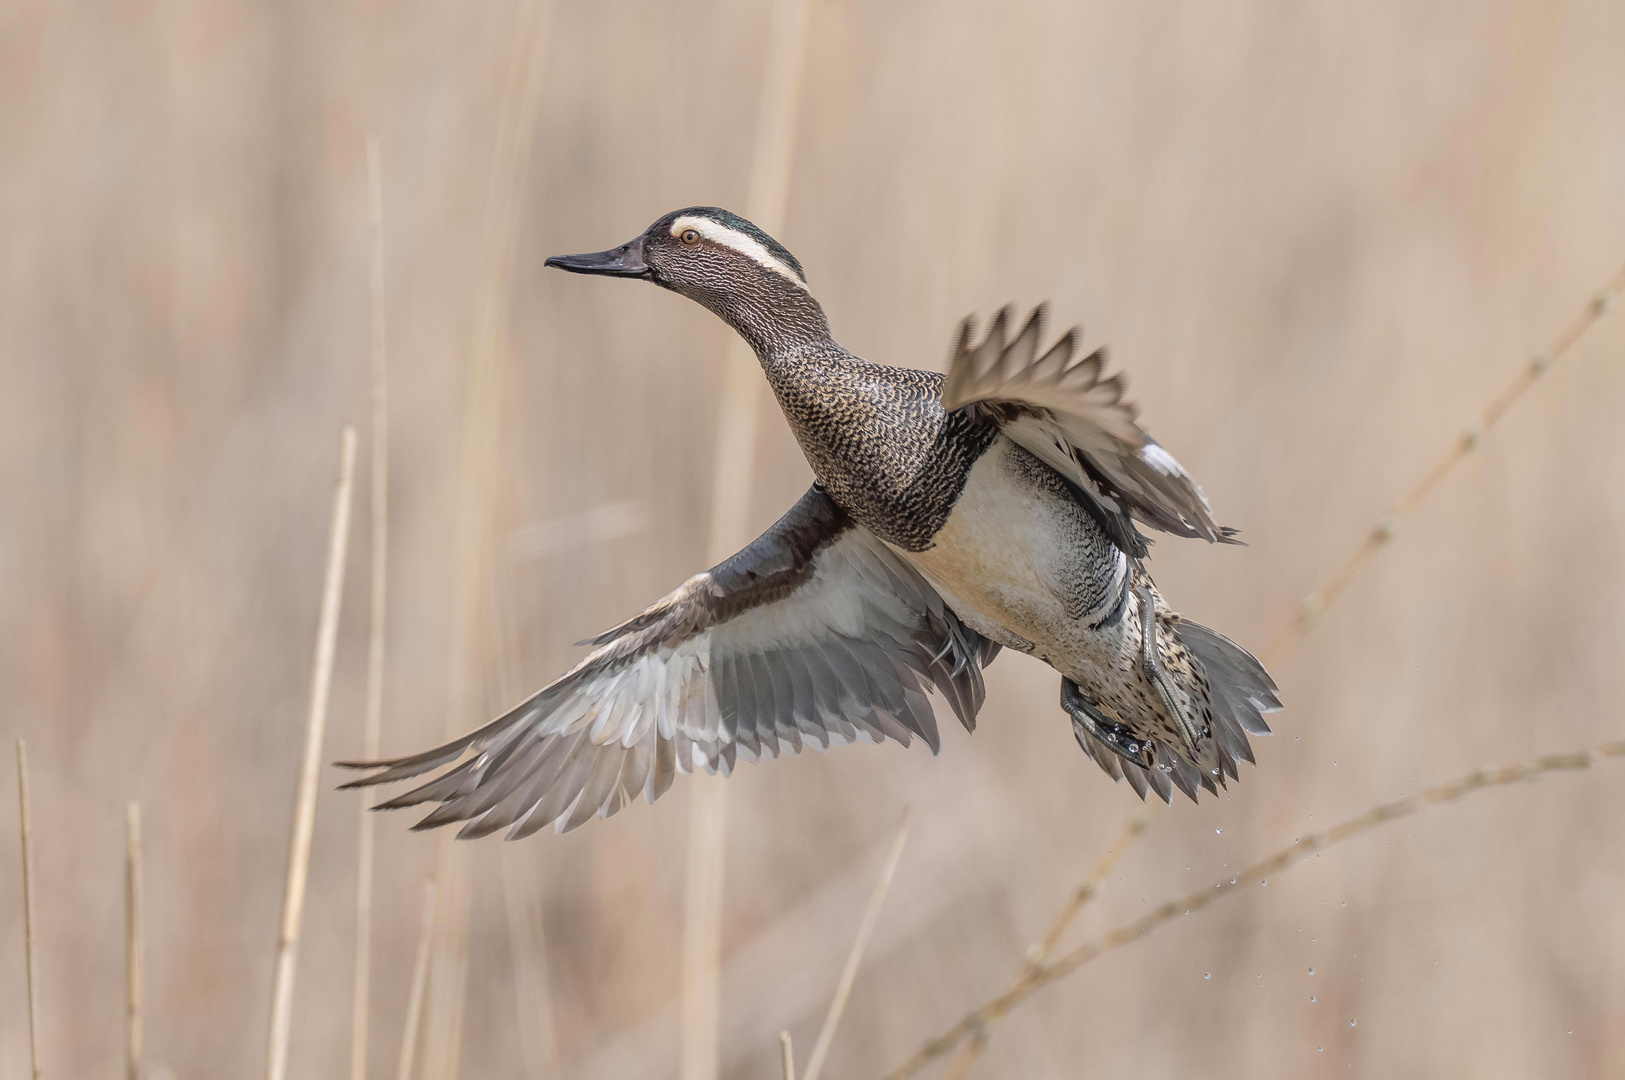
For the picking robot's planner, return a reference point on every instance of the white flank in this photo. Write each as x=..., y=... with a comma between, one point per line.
x=747, y=246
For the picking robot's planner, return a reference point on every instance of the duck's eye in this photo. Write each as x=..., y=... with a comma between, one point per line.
x=690, y=237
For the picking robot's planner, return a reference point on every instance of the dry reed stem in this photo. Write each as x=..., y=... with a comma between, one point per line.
x=787, y=1056
x=482, y=418
x=533, y=998
x=702, y=928
x=420, y=981
x=1039, y=953
x=871, y=915
x=304, y=817
x=25, y=824
x=1281, y=861
x=133, y=948
x=730, y=511
x=1316, y=603
x=372, y=720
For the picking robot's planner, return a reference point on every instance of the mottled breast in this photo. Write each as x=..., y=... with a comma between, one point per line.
x=880, y=441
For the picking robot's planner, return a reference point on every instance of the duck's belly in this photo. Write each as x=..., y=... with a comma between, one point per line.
x=1023, y=564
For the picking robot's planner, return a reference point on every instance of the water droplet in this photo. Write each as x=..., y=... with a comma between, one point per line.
x=1353, y=1022
x=1311, y=999
x=1207, y=974
x=1220, y=832
x=1266, y=881
x=1321, y=1049
x=1311, y=971
x=1345, y=903
x=1232, y=881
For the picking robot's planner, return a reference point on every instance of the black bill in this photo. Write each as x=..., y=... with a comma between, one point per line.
x=623, y=261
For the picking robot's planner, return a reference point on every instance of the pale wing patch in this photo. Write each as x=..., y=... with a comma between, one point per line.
x=747, y=246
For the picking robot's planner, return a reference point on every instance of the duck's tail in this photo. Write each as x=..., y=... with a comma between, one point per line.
x=1241, y=692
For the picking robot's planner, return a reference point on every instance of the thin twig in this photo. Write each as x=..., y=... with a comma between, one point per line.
x=1316, y=603
x=787, y=1056
x=1039, y=953
x=871, y=915
x=969, y=1053
x=730, y=511
x=26, y=825
x=372, y=722
x=304, y=816
x=1279, y=862
x=420, y=980
x=133, y=952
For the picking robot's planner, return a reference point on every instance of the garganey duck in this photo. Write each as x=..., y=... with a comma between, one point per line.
x=952, y=516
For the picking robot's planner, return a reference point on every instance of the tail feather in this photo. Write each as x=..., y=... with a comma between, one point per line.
x=1241, y=693
x=1242, y=690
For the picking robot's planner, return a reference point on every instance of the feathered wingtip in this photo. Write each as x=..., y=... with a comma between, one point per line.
x=403, y=768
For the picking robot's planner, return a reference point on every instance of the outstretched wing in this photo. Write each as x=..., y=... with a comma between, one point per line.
x=1067, y=412
x=817, y=634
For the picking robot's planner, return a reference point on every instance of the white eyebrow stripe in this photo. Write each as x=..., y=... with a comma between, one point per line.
x=747, y=246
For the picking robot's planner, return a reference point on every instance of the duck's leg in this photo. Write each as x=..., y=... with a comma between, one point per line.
x=1158, y=678
x=1088, y=719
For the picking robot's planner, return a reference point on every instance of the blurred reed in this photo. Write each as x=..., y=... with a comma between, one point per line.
x=372, y=721
x=787, y=1056
x=420, y=982
x=731, y=476
x=481, y=440
x=25, y=825
x=304, y=819
x=134, y=961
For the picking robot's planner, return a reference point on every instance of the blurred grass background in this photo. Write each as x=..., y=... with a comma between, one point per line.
x=1318, y=237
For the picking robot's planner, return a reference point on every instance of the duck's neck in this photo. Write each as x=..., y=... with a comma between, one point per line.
x=778, y=320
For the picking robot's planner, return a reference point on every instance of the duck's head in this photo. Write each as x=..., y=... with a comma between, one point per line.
x=719, y=259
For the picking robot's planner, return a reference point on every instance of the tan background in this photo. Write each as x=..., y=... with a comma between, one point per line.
x=1319, y=237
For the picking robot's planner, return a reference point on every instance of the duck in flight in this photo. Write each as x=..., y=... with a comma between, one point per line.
x=997, y=507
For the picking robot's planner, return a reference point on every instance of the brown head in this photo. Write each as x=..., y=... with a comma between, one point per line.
x=724, y=262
